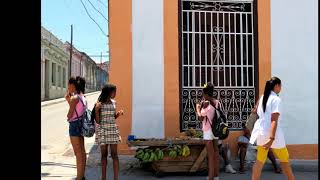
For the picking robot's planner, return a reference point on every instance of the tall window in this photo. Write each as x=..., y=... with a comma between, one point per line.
x=64, y=77
x=53, y=75
x=59, y=77
x=217, y=46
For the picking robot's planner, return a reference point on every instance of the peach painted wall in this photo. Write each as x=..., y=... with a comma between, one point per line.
x=120, y=63
x=171, y=69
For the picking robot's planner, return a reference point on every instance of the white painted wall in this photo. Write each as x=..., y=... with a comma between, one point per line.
x=147, y=64
x=295, y=61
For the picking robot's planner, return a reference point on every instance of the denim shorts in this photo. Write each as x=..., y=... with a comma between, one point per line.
x=75, y=128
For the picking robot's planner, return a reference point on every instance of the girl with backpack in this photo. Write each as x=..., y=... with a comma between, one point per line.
x=108, y=132
x=267, y=131
x=76, y=101
x=205, y=113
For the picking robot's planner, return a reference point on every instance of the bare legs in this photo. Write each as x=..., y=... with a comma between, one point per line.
x=286, y=167
x=80, y=153
x=242, y=156
x=115, y=159
x=104, y=157
x=213, y=158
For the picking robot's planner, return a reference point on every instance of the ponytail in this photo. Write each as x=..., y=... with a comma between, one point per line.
x=266, y=94
x=267, y=91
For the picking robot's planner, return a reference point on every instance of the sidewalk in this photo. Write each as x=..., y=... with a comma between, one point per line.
x=59, y=100
x=130, y=169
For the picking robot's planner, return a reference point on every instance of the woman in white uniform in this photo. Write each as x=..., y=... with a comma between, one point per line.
x=267, y=131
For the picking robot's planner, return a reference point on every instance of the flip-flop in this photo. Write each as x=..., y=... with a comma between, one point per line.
x=278, y=171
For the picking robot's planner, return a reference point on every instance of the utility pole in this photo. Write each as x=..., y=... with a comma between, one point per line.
x=101, y=71
x=70, y=52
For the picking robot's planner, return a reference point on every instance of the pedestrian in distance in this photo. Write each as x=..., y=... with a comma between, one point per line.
x=267, y=130
x=77, y=106
x=205, y=112
x=108, y=132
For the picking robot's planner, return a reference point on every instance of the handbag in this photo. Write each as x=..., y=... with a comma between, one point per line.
x=252, y=119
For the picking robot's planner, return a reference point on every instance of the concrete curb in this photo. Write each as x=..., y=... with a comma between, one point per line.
x=297, y=164
x=59, y=100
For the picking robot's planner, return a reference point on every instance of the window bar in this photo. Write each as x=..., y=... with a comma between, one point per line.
x=211, y=55
x=224, y=52
x=193, y=47
x=253, y=47
x=218, y=50
x=188, y=50
x=206, y=54
x=247, y=51
x=182, y=56
x=229, y=50
x=235, y=49
x=199, y=35
x=241, y=52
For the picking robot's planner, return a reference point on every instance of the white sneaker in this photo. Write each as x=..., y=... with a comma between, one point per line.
x=229, y=169
x=216, y=178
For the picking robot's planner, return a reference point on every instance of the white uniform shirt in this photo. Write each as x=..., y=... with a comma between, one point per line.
x=261, y=130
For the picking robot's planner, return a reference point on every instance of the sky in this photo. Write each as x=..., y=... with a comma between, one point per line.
x=58, y=15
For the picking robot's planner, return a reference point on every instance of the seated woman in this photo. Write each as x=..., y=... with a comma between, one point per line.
x=223, y=151
x=243, y=142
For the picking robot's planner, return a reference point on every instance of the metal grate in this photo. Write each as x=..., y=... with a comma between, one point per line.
x=217, y=46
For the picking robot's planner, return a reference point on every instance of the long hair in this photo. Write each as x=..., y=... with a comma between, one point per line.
x=79, y=83
x=106, y=92
x=267, y=90
x=104, y=97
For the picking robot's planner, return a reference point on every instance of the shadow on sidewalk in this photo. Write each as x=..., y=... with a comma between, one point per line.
x=57, y=164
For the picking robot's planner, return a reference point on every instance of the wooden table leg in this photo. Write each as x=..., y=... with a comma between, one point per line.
x=199, y=160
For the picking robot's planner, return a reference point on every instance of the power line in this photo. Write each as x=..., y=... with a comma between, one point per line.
x=93, y=19
x=98, y=11
x=102, y=3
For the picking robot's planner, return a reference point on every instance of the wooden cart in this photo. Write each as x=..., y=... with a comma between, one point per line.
x=193, y=163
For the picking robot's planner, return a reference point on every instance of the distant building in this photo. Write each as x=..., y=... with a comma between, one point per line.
x=89, y=72
x=104, y=66
x=102, y=77
x=76, y=60
x=54, y=66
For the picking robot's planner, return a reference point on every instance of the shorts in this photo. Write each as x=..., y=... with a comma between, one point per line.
x=282, y=154
x=208, y=135
x=75, y=128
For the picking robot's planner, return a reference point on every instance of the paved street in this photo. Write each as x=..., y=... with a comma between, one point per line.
x=58, y=161
x=57, y=158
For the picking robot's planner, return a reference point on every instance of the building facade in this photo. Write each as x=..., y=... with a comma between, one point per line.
x=89, y=72
x=163, y=51
x=76, y=59
x=101, y=78
x=54, y=66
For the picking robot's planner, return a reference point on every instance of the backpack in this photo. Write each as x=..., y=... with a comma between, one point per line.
x=88, y=127
x=219, y=124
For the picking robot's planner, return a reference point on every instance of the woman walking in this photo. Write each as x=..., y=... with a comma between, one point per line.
x=77, y=103
x=267, y=131
x=108, y=132
x=205, y=112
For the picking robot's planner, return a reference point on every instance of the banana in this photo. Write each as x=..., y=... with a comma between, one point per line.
x=161, y=154
x=146, y=157
x=152, y=156
x=174, y=154
x=185, y=151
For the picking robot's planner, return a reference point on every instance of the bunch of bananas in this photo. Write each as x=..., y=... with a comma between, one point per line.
x=185, y=151
x=159, y=154
x=177, y=150
x=172, y=153
x=148, y=155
